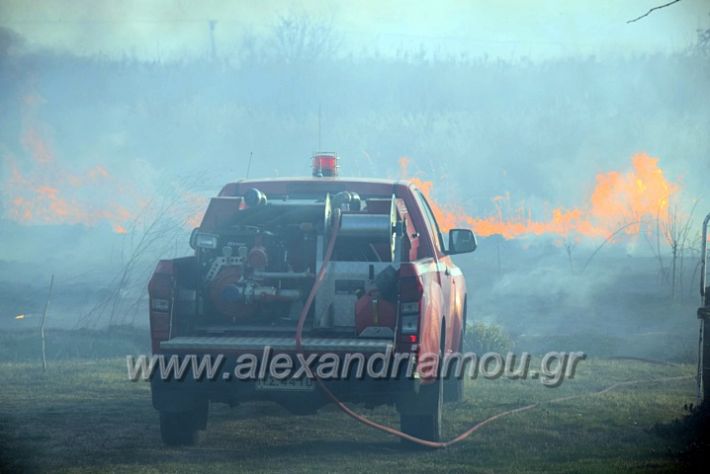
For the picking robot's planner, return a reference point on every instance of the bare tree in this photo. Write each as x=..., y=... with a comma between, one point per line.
x=155, y=231
x=299, y=39
x=610, y=238
x=675, y=232
x=702, y=44
x=651, y=10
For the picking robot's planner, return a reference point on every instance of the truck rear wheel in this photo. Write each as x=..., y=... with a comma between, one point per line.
x=453, y=385
x=421, y=415
x=423, y=419
x=182, y=428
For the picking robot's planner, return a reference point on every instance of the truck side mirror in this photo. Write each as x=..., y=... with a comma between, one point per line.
x=461, y=241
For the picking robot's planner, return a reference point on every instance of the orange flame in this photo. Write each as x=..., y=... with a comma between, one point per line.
x=42, y=197
x=618, y=200
x=39, y=190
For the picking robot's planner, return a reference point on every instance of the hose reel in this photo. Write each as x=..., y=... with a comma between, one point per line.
x=375, y=228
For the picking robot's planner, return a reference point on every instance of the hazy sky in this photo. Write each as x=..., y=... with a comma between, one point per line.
x=504, y=28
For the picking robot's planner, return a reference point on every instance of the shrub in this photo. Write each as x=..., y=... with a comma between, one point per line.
x=481, y=338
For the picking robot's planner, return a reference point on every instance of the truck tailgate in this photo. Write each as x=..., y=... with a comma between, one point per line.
x=244, y=343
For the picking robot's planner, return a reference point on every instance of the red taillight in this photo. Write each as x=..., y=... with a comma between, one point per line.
x=161, y=283
x=325, y=165
x=410, y=295
x=160, y=290
x=407, y=342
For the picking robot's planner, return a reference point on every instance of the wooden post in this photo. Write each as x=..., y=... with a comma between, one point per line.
x=44, y=320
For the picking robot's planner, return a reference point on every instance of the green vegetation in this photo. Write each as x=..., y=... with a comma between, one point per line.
x=84, y=416
x=481, y=338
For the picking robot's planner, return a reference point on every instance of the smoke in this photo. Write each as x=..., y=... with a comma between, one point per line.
x=546, y=160
x=507, y=29
x=10, y=42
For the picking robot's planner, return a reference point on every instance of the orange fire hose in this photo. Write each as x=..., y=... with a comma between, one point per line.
x=395, y=432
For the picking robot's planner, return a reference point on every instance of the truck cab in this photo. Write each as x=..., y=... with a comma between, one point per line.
x=387, y=285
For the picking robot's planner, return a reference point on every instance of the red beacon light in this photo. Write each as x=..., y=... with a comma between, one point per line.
x=325, y=165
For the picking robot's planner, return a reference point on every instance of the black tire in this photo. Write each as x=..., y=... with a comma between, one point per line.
x=421, y=415
x=424, y=420
x=453, y=386
x=706, y=360
x=182, y=428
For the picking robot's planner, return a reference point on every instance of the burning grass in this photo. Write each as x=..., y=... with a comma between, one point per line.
x=619, y=200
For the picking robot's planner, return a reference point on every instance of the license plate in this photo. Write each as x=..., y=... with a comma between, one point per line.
x=303, y=384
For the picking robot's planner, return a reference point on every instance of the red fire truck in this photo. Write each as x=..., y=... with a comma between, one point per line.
x=386, y=284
